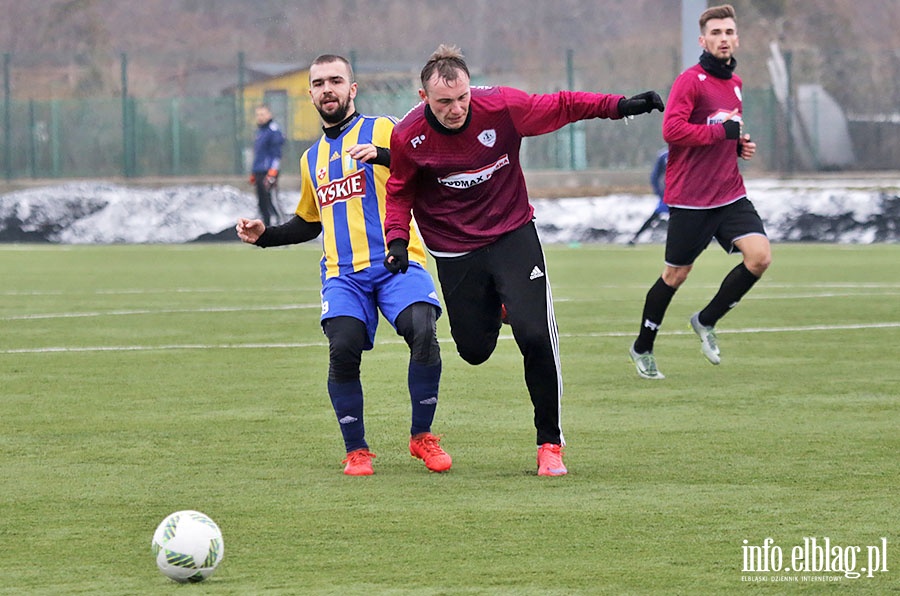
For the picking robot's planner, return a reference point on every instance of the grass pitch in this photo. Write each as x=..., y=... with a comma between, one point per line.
x=140, y=380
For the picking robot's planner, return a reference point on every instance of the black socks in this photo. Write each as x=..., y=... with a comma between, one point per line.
x=737, y=283
x=655, y=305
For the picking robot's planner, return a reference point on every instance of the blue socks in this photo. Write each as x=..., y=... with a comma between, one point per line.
x=424, y=380
x=347, y=400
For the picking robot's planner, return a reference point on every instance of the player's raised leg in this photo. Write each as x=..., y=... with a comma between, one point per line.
x=757, y=255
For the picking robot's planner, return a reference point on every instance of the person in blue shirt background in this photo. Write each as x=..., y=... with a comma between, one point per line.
x=658, y=182
x=266, y=162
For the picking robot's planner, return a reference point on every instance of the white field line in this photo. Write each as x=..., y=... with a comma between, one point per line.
x=764, y=285
x=285, y=307
x=801, y=328
x=249, y=346
x=119, y=313
x=122, y=313
x=505, y=336
x=145, y=291
x=817, y=295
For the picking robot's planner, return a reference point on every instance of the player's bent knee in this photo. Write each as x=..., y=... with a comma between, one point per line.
x=475, y=356
x=346, y=339
x=343, y=364
x=757, y=264
x=417, y=324
x=675, y=276
x=476, y=350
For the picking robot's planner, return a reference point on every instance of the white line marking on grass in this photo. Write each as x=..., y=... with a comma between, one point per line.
x=764, y=296
x=124, y=313
x=558, y=286
x=764, y=285
x=142, y=291
x=853, y=327
x=836, y=284
x=506, y=336
x=251, y=346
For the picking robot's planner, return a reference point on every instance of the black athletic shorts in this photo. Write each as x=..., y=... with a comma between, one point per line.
x=691, y=230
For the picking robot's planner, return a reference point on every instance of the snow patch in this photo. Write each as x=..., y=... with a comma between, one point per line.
x=97, y=213
x=832, y=210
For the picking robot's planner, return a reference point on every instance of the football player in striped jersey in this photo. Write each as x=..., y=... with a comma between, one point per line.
x=342, y=195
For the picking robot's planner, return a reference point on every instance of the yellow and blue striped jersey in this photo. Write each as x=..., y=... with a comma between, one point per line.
x=348, y=198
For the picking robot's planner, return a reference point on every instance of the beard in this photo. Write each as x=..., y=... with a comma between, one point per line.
x=338, y=115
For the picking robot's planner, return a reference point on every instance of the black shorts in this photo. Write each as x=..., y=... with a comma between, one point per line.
x=691, y=230
x=512, y=272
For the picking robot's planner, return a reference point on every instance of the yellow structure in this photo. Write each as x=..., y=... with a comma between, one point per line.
x=287, y=94
x=285, y=89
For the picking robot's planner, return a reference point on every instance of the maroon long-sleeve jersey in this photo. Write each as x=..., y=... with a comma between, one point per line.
x=702, y=171
x=465, y=187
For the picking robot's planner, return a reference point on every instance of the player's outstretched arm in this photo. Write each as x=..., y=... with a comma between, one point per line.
x=642, y=103
x=293, y=231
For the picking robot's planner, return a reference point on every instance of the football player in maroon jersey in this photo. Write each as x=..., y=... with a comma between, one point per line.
x=455, y=168
x=705, y=190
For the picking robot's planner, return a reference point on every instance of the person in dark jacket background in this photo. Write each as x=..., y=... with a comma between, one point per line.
x=658, y=182
x=266, y=161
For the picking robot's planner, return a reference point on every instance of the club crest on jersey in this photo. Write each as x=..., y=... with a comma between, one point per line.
x=488, y=137
x=701, y=76
x=321, y=173
x=348, y=187
x=474, y=177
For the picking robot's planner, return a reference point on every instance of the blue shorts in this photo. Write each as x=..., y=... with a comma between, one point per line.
x=363, y=293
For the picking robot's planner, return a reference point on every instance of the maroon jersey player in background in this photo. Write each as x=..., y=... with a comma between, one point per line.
x=705, y=190
x=455, y=168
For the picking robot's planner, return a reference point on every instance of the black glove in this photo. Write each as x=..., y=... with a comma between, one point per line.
x=642, y=103
x=732, y=129
x=397, y=260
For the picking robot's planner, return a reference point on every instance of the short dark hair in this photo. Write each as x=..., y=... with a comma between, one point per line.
x=447, y=61
x=725, y=11
x=329, y=58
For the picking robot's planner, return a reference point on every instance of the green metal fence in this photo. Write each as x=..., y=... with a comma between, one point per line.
x=108, y=137
x=180, y=136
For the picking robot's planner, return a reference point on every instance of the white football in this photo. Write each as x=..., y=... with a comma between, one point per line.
x=188, y=546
